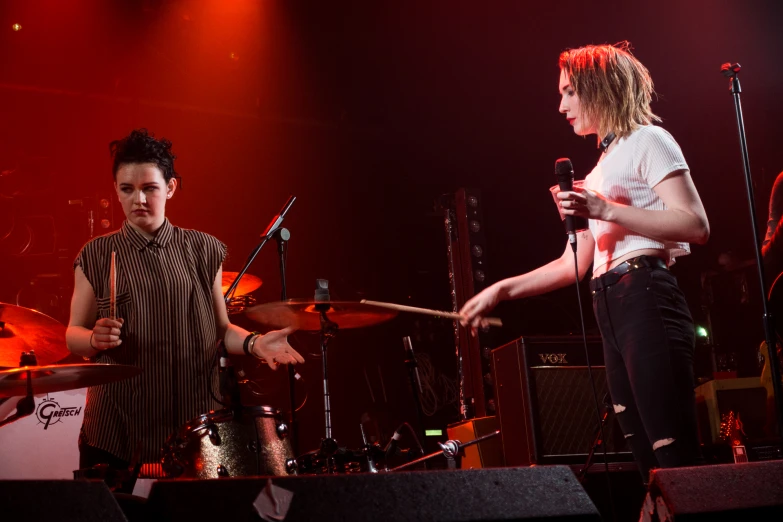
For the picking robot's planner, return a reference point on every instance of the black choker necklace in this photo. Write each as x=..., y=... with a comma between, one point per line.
x=606, y=142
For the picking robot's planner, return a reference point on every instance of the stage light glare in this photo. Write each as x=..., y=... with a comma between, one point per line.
x=701, y=331
x=16, y=27
x=234, y=57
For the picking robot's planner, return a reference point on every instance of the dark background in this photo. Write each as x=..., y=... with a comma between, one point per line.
x=367, y=112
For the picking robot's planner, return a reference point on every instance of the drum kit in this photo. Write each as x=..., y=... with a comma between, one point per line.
x=234, y=441
x=248, y=441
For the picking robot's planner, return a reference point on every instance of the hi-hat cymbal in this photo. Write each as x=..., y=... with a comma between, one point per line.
x=247, y=284
x=23, y=329
x=303, y=314
x=48, y=379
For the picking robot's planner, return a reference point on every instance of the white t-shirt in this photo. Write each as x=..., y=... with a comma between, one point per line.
x=627, y=175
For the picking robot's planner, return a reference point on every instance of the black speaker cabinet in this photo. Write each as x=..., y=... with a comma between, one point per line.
x=749, y=491
x=545, y=402
x=58, y=500
x=541, y=493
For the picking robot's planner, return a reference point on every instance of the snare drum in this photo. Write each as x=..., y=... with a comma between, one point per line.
x=223, y=444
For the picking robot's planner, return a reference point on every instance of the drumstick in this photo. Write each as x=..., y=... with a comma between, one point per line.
x=113, y=287
x=492, y=321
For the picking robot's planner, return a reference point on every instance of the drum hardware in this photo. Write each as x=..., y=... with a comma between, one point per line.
x=450, y=450
x=237, y=305
x=367, y=450
x=325, y=316
x=291, y=466
x=26, y=405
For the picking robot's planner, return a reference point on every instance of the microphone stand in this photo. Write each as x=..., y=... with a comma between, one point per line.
x=266, y=236
x=598, y=441
x=731, y=71
x=282, y=235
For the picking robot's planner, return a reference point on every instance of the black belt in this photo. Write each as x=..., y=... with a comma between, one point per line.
x=612, y=276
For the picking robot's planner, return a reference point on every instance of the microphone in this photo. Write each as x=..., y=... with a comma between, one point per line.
x=564, y=171
x=321, y=296
x=391, y=447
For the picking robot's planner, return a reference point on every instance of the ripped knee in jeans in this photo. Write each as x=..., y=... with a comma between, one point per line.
x=661, y=443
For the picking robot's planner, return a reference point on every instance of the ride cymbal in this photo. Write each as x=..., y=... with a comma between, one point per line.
x=23, y=329
x=304, y=315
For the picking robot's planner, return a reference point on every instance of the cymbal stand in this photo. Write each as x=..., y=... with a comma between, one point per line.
x=450, y=449
x=328, y=331
x=26, y=406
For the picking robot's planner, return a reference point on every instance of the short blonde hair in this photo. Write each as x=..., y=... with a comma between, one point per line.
x=614, y=88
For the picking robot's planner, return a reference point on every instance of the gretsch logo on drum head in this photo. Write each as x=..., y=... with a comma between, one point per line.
x=50, y=412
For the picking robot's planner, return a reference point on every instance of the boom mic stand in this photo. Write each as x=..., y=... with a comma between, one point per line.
x=731, y=71
x=281, y=235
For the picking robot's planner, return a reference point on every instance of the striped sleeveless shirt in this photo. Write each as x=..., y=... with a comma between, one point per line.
x=164, y=295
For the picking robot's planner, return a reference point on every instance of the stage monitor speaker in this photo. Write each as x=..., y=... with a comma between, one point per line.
x=545, y=402
x=750, y=491
x=545, y=493
x=58, y=500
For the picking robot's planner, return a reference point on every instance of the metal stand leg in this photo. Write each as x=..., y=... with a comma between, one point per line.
x=328, y=445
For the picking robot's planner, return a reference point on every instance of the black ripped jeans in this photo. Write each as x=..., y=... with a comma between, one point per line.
x=648, y=339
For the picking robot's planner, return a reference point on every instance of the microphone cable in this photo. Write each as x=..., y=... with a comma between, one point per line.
x=593, y=386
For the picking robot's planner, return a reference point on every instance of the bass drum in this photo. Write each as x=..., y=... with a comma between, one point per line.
x=224, y=444
x=45, y=444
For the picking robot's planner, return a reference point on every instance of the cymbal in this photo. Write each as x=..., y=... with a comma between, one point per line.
x=247, y=284
x=303, y=314
x=48, y=379
x=23, y=330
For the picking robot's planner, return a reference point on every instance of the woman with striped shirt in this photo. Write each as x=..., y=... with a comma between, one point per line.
x=643, y=210
x=170, y=314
